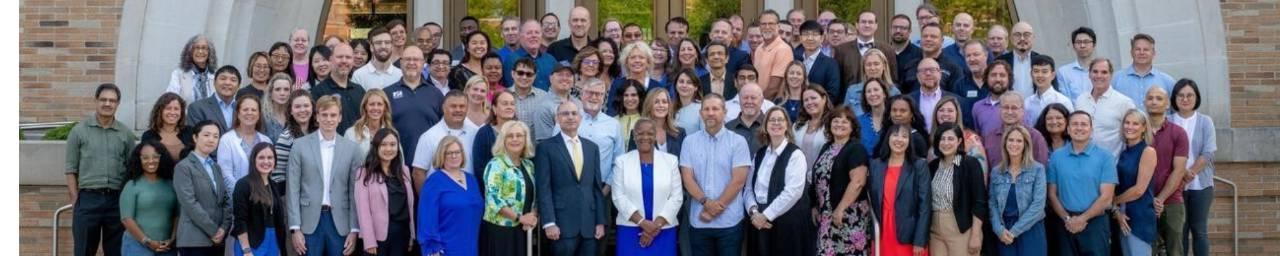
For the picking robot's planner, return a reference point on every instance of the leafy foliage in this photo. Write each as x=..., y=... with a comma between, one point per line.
x=59, y=133
x=702, y=12
x=847, y=10
x=985, y=13
x=490, y=14
x=639, y=12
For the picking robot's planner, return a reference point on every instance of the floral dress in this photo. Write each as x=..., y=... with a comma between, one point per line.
x=854, y=237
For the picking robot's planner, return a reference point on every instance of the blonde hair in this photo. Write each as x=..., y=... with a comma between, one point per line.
x=647, y=110
x=887, y=77
x=477, y=81
x=1027, y=157
x=635, y=48
x=499, y=145
x=438, y=160
x=268, y=105
x=328, y=101
x=1146, y=125
x=384, y=121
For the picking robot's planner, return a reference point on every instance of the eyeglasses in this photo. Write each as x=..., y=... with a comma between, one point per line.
x=440, y=63
x=590, y=62
x=1082, y=42
x=929, y=70
x=453, y=153
x=523, y=73
x=1021, y=34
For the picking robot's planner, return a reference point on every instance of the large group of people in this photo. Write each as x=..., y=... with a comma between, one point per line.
x=783, y=136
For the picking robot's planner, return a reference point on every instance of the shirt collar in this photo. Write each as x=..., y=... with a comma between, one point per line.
x=778, y=151
x=567, y=139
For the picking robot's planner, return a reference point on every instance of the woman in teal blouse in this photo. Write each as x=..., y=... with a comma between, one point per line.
x=148, y=205
x=509, y=193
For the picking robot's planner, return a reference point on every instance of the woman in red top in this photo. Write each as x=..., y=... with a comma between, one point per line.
x=900, y=195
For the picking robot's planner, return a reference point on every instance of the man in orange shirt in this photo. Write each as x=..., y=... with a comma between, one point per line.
x=772, y=57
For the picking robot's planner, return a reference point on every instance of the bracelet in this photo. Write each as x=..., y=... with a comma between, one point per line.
x=146, y=240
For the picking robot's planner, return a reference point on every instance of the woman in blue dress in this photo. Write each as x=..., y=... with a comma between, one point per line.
x=450, y=207
x=1134, y=229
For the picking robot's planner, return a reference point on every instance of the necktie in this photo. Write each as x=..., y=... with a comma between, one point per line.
x=208, y=168
x=866, y=45
x=576, y=154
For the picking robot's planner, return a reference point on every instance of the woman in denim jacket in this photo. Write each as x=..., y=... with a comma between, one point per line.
x=1018, y=197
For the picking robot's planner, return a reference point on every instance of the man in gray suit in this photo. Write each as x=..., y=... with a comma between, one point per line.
x=322, y=218
x=202, y=196
x=220, y=108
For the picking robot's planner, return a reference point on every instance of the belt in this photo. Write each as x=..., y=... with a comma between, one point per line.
x=100, y=190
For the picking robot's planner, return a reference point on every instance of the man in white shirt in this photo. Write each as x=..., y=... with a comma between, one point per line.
x=455, y=124
x=379, y=73
x=1106, y=105
x=1045, y=94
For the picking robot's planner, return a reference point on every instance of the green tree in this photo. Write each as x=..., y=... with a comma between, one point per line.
x=702, y=12
x=490, y=14
x=985, y=13
x=846, y=10
x=639, y=12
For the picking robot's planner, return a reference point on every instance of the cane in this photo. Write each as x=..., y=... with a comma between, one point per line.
x=528, y=242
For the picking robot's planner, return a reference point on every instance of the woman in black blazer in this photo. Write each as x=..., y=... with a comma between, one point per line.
x=959, y=199
x=839, y=181
x=900, y=194
x=259, y=207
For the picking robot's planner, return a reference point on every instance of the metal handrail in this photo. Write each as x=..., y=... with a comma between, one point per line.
x=1235, y=214
x=56, y=215
x=45, y=125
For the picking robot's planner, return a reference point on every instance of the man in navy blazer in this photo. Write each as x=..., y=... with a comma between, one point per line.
x=571, y=203
x=822, y=69
x=717, y=55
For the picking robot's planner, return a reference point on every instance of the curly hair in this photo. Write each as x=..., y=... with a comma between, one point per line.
x=187, y=60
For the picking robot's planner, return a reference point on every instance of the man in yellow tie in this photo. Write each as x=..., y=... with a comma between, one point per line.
x=569, y=186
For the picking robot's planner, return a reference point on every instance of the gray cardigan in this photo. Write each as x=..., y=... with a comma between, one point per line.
x=1204, y=143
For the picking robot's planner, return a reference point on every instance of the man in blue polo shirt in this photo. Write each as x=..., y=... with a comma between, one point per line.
x=531, y=47
x=1082, y=180
x=415, y=106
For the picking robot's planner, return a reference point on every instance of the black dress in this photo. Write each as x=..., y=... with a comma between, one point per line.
x=397, y=242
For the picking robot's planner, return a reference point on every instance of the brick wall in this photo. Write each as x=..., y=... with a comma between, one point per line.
x=67, y=48
x=1253, y=56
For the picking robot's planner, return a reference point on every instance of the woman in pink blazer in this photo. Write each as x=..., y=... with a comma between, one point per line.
x=384, y=198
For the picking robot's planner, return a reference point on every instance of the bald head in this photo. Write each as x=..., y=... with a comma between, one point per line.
x=962, y=27
x=531, y=34
x=579, y=22
x=1023, y=37
x=997, y=39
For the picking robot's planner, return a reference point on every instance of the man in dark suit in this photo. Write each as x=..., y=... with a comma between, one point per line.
x=217, y=109
x=718, y=79
x=722, y=32
x=822, y=70
x=931, y=48
x=848, y=56
x=569, y=187
x=1023, y=39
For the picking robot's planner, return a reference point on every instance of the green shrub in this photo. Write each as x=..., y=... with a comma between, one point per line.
x=59, y=133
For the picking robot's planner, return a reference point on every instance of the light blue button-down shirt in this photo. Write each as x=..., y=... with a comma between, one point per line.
x=208, y=169
x=1022, y=82
x=602, y=130
x=228, y=108
x=1073, y=80
x=712, y=158
x=1134, y=85
x=1079, y=175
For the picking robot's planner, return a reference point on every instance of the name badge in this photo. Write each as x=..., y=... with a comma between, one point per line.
x=971, y=94
x=397, y=95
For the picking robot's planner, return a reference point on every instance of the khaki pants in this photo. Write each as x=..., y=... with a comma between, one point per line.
x=945, y=238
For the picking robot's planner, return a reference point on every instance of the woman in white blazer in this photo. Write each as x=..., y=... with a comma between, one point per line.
x=647, y=194
x=235, y=145
x=193, y=79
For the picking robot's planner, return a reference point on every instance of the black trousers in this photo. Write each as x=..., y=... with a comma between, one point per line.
x=97, y=221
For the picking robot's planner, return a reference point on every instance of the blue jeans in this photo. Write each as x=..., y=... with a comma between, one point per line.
x=97, y=220
x=1093, y=240
x=716, y=241
x=131, y=246
x=325, y=240
x=1196, y=227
